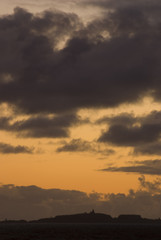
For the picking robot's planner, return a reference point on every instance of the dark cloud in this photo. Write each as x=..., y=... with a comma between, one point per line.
x=151, y=167
x=122, y=119
x=54, y=127
x=42, y=126
x=115, y=4
x=75, y=145
x=91, y=70
x=138, y=132
x=153, y=118
x=79, y=145
x=9, y=149
x=123, y=136
x=32, y=202
x=148, y=149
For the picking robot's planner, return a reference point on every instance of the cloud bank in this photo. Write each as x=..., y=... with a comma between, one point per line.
x=32, y=202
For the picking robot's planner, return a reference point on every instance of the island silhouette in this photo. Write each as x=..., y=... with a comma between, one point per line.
x=90, y=217
x=83, y=226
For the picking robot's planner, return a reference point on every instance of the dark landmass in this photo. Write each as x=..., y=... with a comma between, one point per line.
x=83, y=226
x=91, y=217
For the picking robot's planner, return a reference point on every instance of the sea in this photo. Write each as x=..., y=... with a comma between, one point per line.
x=51, y=231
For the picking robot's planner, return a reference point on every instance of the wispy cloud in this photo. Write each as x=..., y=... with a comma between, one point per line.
x=79, y=145
x=150, y=167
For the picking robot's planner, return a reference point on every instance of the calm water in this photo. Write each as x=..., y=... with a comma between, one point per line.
x=51, y=231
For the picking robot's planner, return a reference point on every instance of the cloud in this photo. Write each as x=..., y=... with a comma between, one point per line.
x=139, y=132
x=75, y=145
x=123, y=136
x=79, y=145
x=32, y=202
x=115, y=5
x=148, y=149
x=9, y=149
x=38, y=127
x=152, y=187
x=51, y=62
x=42, y=126
x=150, y=167
x=122, y=119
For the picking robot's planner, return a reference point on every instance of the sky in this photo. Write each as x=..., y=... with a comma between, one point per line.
x=80, y=104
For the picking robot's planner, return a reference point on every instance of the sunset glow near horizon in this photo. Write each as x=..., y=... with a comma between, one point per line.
x=80, y=104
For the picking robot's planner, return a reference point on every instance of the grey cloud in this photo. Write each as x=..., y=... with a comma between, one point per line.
x=32, y=202
x=90, y=71
x=55, y=127
x=75, y=145
x=4, y=122
x=107, y=152
x=10, y=149
x=42, y=126
x=138, y=132
x=128, y=119
x=153, y=118
x=122, y=119
x=150, y=167
x=79, y=145
x=152, y=187
x=115, y=4
x=148, y=149
x=123, y=136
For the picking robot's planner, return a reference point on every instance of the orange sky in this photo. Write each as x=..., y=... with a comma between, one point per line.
x=49, y=169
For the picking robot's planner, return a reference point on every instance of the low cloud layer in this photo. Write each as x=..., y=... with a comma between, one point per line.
x=150, y=167
x=32, y=202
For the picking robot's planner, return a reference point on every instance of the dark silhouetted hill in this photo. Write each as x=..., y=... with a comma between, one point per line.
x=93, y=217
x=129, y=218
x=90, y=217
